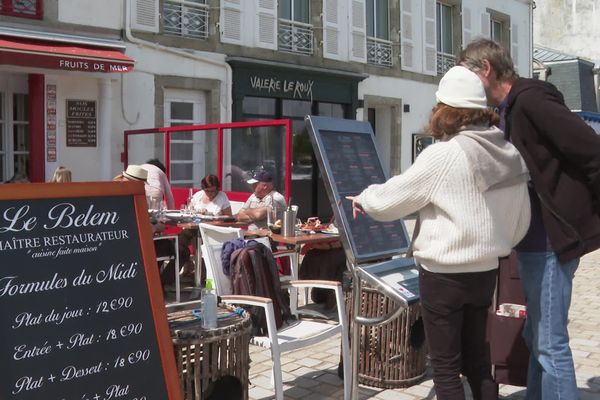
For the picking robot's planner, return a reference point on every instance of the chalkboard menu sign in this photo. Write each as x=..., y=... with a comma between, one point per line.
x=81, y=123
x=349, y=162
x=81, y=310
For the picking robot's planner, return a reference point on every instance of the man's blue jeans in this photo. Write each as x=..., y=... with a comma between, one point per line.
x=548, y=286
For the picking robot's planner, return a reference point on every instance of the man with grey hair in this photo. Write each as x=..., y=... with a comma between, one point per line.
x=562, y=154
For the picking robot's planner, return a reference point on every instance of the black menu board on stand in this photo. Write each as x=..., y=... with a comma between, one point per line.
x=349, y=162
x=81, y=309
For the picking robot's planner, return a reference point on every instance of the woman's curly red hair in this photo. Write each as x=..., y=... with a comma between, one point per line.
x=447, y=120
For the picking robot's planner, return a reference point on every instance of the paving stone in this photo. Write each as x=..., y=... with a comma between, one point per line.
x=330, y=378
x=260, y=393
x=296, y=393
x=289, y=367
x=309, y=362
x=307, y=383
x=394, y=395
x=325, y=389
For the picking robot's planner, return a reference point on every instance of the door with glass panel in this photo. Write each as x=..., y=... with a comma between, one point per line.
x=14, y=126
x=189, y=153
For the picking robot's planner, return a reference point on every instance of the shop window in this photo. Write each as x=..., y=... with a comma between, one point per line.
x=251, y=150
x=295, y=33
x=187, y=18
x=445, y=38
x=22, y=8
x=14, y=134
x=379, y=48
x=20, y=132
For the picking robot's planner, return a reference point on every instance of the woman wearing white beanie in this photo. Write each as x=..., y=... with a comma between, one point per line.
x=470, y=192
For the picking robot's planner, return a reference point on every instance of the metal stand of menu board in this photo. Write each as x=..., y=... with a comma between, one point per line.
x=349, y=162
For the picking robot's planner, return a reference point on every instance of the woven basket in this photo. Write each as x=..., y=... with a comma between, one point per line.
x=203, y=356
x=391, y=355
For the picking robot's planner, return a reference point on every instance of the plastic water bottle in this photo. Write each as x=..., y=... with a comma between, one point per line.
x=209, y=306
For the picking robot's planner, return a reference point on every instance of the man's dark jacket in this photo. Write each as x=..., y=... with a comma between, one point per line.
x=563, y=156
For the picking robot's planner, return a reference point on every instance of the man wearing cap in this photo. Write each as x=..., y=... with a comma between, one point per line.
x=254, y=210
x=563, y=156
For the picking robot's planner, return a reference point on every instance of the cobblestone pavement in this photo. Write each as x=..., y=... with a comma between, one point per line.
x=311, y=373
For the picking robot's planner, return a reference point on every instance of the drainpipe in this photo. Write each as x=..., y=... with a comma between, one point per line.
x=532, y=7
x=596, y=72
x=228, y=74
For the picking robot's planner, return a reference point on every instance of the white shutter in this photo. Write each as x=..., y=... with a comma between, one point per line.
x=335, y=30
x=358, y=31
x=429, y=38
x=466, y=26
x=514, y=44
x=408, y=35
x=266, y=21
x=231, y=21
x=144, y=15
x=485, y=25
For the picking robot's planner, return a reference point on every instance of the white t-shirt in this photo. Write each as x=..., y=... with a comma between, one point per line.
x=214, y=207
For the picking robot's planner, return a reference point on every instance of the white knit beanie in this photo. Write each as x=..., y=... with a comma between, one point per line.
x=461, y=88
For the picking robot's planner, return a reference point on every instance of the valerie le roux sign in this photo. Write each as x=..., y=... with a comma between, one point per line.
x=297, y=89
x=76, y=315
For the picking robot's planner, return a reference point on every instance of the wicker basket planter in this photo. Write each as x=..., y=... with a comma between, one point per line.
x=203, y=356
x=391, y=355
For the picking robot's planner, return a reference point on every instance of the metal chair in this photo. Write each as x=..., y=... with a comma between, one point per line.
x=166, y=259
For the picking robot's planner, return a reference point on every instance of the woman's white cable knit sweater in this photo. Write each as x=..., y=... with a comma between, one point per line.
x=463, y=229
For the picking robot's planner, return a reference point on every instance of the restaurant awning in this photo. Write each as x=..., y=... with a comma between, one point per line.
x=62, y=56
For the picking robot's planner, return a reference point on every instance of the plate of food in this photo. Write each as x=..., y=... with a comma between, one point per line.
x=313, y=224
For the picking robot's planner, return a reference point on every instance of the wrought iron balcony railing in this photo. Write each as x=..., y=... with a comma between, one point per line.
x=295, y=37
x=184, y=18
x=22, y=8
x=379, y=52
x=445, y=61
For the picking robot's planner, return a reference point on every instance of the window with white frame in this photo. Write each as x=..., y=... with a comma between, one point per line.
x=379, y=48
x=377, y=19
x=187, y=18
x=295, y=34
x=188, y=161
x=496, y=30
x=295, y=10
x=445, y=37
x=498, y=27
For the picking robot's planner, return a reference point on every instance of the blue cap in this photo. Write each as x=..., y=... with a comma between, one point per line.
x=261, y=176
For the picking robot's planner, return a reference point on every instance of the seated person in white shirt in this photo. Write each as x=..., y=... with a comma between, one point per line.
x=211, y=200
x=254, y=210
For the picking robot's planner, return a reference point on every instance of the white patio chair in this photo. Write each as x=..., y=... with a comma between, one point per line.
x=292, y=335
x=236, y=206
x=213, y=237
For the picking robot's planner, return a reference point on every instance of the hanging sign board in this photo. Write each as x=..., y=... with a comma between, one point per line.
x=81, y=123
x=81, y=309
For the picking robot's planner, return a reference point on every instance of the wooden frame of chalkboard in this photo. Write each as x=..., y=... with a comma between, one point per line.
x=81, y=306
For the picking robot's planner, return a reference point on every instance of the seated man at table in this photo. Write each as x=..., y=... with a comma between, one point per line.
x=254, y=210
